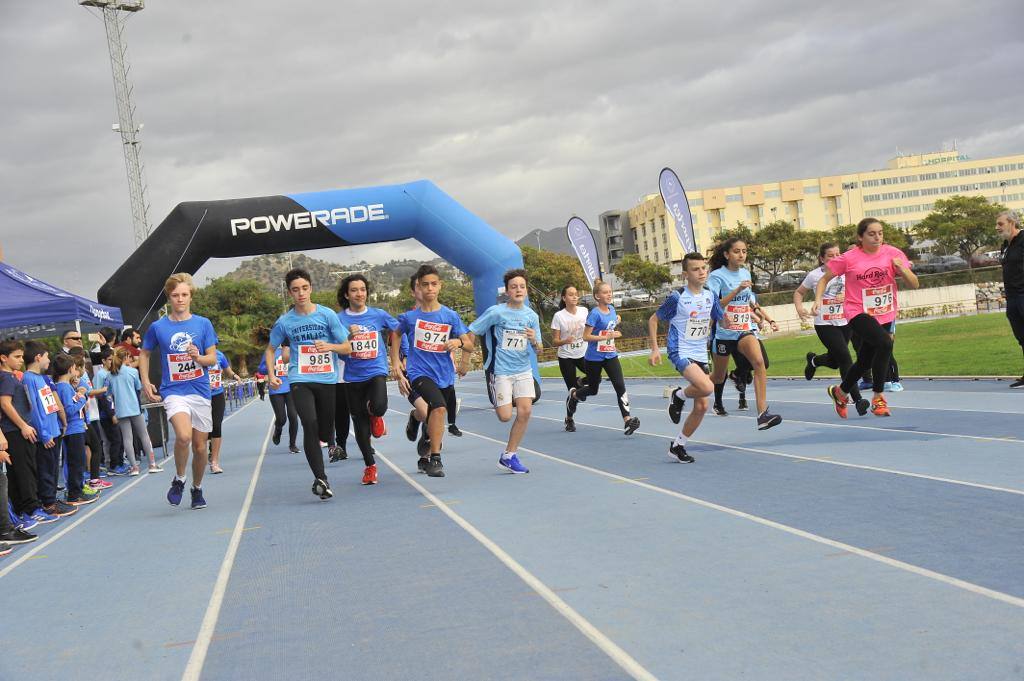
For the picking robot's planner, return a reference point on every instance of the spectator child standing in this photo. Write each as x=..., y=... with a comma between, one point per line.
x=124, y=383
x=64, y=371
x=15, y=424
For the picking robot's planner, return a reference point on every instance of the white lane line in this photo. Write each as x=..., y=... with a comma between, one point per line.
x=906, y=406
x=106, y=501
x=816, y=423
x=891, y=562
x=609, y=647
x=195, y=661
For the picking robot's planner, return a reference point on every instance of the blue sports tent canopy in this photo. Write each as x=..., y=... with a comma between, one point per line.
x=28, y=302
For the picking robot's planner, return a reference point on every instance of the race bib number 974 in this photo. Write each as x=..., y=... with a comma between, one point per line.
x=182, y=366
x=312, y=361
x=431, y=336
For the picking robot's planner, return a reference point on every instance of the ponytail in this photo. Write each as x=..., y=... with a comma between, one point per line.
x=718, y=257
x=119, y=358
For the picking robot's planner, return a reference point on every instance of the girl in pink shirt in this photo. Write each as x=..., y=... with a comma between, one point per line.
x=871, y=301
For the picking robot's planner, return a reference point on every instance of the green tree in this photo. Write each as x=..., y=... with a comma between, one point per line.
x=962, y=224
x=550, y=272
x=639, y=273
x=777, y=247
x=236, y=307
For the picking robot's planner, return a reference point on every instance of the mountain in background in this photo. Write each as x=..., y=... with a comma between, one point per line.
x=553, y=240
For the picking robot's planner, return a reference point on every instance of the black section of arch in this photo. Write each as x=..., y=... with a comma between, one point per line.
x=193, y=233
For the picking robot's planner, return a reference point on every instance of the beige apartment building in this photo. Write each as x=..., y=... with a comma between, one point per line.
x=902, y=194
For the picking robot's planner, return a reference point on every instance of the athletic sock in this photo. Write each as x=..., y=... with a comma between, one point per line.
x=197, y=486
x=680, y=439
x=814, y=360
x=505, y=456
x=179, y=478
x=679, y=394
x=719, y=389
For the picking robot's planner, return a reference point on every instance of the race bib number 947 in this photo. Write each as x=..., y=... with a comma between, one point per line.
x=431, y=336
x=312, y=362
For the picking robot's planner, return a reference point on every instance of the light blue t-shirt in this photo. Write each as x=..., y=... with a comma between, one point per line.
x=689, y=316
x=428, y=333
x=123, y=387
x=169, y=341
x=601, y=321
x=369, y=347
x=504, y=329
x=215, y=373
x=305, y=364
x=73, y=407
x=722, y=282
x=42, y=394
x=280, y=370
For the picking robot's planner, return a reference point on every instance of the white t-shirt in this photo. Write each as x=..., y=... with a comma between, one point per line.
x=831, y=311
x=571, y=326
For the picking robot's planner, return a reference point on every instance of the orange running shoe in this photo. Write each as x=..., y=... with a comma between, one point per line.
x=838, y=402
x=370, y=475
x=377, y=426
x=879, y=407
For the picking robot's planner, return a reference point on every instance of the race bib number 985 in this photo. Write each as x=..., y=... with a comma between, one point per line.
x=431, y=336
x=312, y=361
x=182, y=367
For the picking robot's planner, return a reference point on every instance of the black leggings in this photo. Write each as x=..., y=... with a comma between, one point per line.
x=874, y=352
x=366, y=398
x=568, y=367
x=613, y=370
x=92, y=438
x=1015, y=315
x=218, y=403
x=315, y=404
x=451, y=404
x=284, y=410
x=836, y=340
x=342, y=416
x=893, y=373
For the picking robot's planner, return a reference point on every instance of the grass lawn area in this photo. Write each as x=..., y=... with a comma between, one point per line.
x=980, y=345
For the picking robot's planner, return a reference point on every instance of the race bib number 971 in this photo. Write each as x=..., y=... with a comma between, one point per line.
x=831, y=309
x=182, y=366
x=431, y=336
x=312, y=361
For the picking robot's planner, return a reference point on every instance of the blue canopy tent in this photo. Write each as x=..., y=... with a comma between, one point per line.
x=30, y=308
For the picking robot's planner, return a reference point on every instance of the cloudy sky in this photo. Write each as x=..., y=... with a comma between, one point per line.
x=525, y=112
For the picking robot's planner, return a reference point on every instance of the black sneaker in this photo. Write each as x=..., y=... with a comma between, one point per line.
x=809, y=368
x=1019, y=383
x=719, y=410
x=421, y=464
x=742, y=404
x=293, y=449
x=277, y=436
x=570, y=426
x=454, y=430
x=412, y=427
x=336, y=453
x=678, y=452
x=17, y=536
x=738, y=382
x=322, y=489
x=434, y=467
x=766, y=420
x=862, y=406
x=631, y=425
x=423, y=447
x=571, y=402
x=675, y=408
x=198, y=501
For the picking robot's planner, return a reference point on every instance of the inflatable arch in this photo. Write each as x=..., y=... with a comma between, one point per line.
x=197, y=231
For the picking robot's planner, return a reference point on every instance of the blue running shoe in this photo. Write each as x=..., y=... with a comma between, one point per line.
x=865, y=385
x=43, y=518
x=895, y=386
x=198, y=501
x=513, y=464
x=176, y=492
x=123, y=469
x=25, y=522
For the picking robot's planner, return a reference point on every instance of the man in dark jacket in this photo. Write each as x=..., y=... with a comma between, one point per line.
x=1012, y=258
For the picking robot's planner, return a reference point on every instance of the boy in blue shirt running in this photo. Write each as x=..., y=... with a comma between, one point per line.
x=511, y=328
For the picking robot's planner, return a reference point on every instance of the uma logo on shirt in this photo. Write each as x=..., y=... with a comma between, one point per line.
x=181, y=340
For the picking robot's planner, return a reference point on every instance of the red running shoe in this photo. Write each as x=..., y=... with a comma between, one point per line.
x=377, y=426
x=879, y=406
x=370, y=475
x=838, y=402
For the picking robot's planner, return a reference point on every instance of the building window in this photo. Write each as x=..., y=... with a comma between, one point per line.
x=731, y=198
x=813, y=189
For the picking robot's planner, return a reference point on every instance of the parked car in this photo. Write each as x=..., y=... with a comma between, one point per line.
x=987, y=259
x=789, y=279
x=940, y=263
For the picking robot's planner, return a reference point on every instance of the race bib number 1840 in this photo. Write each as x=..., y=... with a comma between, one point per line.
x=365, y=345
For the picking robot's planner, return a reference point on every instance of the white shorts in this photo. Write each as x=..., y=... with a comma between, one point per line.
x=196, y=406
x=512, y=387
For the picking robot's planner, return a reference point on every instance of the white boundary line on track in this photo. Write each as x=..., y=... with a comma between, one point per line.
x=818, y=423
x=906, y=406
x=803, y=534
x=596, y=636
x=194, y=668
x=105, y=501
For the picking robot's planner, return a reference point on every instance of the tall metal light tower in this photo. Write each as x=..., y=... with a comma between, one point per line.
x=115, y=14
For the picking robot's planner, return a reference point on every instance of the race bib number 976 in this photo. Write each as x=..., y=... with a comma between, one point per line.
x=312, y=361
x=878, y=301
